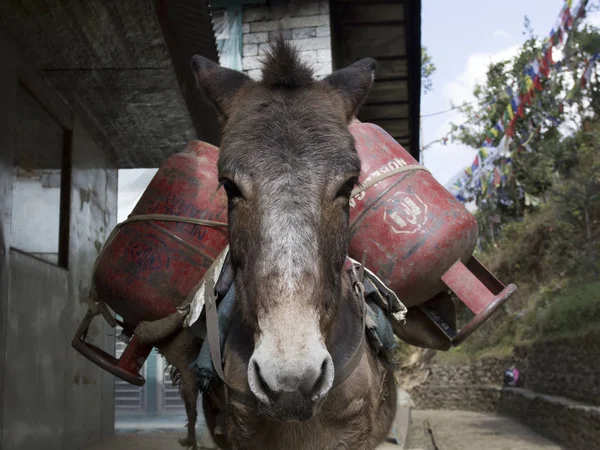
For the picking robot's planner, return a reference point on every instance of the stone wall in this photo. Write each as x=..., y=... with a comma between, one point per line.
x=565, y=367
x=574, y=425
x=305, y=24
x=568, y=367
x=473, y=387
x=559, y=398
x=485, y=371
x=480, y=398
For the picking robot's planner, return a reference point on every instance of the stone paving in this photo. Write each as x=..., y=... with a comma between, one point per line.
x=462, y=430
x=430, y=430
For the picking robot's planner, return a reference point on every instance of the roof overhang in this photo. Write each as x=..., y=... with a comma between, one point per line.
x=390, y=32
x=115, y=67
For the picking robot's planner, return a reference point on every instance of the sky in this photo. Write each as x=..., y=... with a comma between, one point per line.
x=462, y=37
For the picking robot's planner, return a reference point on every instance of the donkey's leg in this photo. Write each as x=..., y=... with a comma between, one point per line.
x=189, y=394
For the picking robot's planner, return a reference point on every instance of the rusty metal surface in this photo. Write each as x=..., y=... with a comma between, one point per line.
x=485, y=314
x=467, y=287
x=127, y=367
x=418, y=238
x=488, y=279
x=150, y=267
x=477, y=288
x=413, y=229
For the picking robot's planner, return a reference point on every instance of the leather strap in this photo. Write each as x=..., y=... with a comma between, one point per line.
x=214, y=344
x=352, y=363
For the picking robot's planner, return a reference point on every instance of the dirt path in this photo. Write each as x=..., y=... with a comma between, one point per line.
x=461, y=430
x=430, y=430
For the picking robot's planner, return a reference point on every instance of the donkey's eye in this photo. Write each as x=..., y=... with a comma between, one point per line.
x=347, y=188
x=231, y=189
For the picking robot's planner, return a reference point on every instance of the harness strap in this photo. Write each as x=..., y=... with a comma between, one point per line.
x=214, y=344
x=354, y=361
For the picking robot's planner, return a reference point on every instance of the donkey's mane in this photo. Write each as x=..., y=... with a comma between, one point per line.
x=282, y=67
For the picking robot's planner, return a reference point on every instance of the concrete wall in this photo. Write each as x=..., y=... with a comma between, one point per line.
x=50, y=396
x=8, y=92
x=306, y=24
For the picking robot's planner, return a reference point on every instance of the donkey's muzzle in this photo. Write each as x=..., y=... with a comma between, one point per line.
x=287, y=386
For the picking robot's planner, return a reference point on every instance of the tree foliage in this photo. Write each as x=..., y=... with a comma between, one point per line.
x=555, y=151
x=541, y=229
x=427, y=70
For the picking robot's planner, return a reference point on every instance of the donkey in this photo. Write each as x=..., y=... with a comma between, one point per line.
x=288, y=165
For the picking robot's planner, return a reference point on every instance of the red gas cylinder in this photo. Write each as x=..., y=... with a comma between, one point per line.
x=149, y=265
x=419, y=239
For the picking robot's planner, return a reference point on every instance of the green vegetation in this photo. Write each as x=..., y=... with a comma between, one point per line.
x=541, y=228
x=427, y=70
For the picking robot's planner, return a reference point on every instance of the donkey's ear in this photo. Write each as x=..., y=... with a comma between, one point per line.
x=353, y=83
x=218, y=83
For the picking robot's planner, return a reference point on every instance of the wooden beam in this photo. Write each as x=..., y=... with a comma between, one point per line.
x=391, y=68
x=388, y=92
x=375, y=41
x=370, y=2
x=369, y=13
x=385, y=111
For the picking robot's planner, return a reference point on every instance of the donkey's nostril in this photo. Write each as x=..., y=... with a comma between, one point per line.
x=321, y=379
x=257, y=383
x=322, y=384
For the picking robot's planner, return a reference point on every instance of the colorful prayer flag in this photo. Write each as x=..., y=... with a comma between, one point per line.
x=515, y=104
x=587, y=74
x=497, y=177
x=475, y=164
x=483, y=154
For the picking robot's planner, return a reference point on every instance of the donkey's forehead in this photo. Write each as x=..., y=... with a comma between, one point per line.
x=276, y=131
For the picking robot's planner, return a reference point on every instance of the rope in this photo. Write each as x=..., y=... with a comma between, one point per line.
x=385, y=176
x=167, y=218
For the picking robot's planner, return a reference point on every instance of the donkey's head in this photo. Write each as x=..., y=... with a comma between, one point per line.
x=288, y=164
